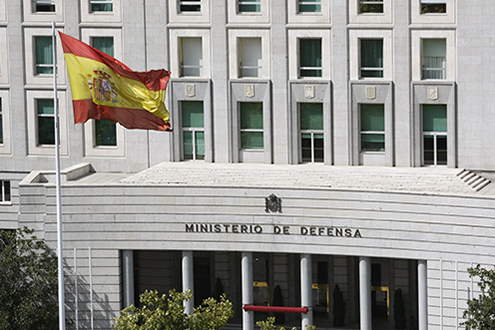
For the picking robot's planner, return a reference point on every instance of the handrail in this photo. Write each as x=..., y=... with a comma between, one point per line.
x=276, y=309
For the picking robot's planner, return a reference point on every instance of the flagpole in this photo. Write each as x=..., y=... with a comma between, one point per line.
x=61, y=298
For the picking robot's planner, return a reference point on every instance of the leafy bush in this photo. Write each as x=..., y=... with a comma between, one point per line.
x=167, y=313
x=480, y=313
x=28, y=282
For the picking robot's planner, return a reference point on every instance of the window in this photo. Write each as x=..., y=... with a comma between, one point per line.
x=371, y=58
x=250, y=60
x=433, y=11
x=433, y=6
x=433, y=55
x=434, y=59
x=189, y=5
x=309, y=6
x=46, y=121
x=311, y=131
x=105, y=130
x=310, y=59
x=372, y=121
x=100, y=5
x=42, y=11
x=371, y=11
x=191, y=57
x=190, y=53
x=249, y=6
x=251, y=116
x=44, y=6
x=434, y=135
x=105, y=44
x=193, y=132
x=370, y=6
x=249, y=53
x=5, y=195
x=43, y=55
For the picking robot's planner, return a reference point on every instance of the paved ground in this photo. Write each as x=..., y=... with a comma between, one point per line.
x=435, y=180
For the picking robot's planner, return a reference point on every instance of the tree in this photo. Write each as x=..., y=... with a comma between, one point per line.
x=28, y=282
x=480, y=313
x=167, y=313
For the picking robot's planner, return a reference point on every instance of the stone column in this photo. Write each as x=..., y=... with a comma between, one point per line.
x=128, y=277
x=247, y=289
x=306, y=290
x=365, y=293
x=422, y=296
x=188, y=278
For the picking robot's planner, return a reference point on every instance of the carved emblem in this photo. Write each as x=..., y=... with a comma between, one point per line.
x=309, y=92
x=370, y=92
x=273, y=204
x=249, y=90
x=101, y=86
x=190, y=90
x=432, y=93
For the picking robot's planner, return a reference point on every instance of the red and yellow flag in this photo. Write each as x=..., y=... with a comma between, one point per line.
x=103, y=87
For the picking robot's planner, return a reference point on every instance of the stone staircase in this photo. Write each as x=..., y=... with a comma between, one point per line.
x=473, y=180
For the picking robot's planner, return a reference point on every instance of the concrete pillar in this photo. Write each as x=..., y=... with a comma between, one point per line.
x=306, y=290
x=247, y=289
x=422, y=296
x=128, y=277
x=365, y=293
x=188, y=278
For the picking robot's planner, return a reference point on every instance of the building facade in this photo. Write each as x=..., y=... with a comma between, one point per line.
x=316, y=143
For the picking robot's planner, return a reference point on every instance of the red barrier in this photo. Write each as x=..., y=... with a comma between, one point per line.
x=276, y=309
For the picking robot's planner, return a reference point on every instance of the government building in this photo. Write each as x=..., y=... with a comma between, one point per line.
x=335, y=156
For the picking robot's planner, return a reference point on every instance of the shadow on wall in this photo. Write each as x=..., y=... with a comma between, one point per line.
x=88, y=311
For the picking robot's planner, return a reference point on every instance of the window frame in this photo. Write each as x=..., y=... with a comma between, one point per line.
x=443, y=93
x=442, y=70
x=364, y=92
x=32, y=123
x=31, y=15
x=3, y=200
x=355, y=37
x=234, y=56
x=175, y=38
x=435, y=136
x=310, y=92
x=194, y=130
x=356, y=17
x=234, y=16
x=91, y=149
x=294, y=36
x=177, y=16
x=244, y=90
x=294, y=16
x=103, y=2
x=417, y=37
x=433, y=18
x=312, y=132
x=89, y=16
x=39, y=116
x=250, y=130
x=370, y=68
x=241, y=67
x=30, y=61
x=363, y=132
x=190, y=90
x=4, y=56
x=5, y=147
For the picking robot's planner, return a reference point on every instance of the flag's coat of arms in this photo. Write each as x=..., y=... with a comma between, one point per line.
x=103, y=87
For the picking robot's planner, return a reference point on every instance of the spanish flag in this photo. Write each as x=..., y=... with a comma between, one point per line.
x=103, y=87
